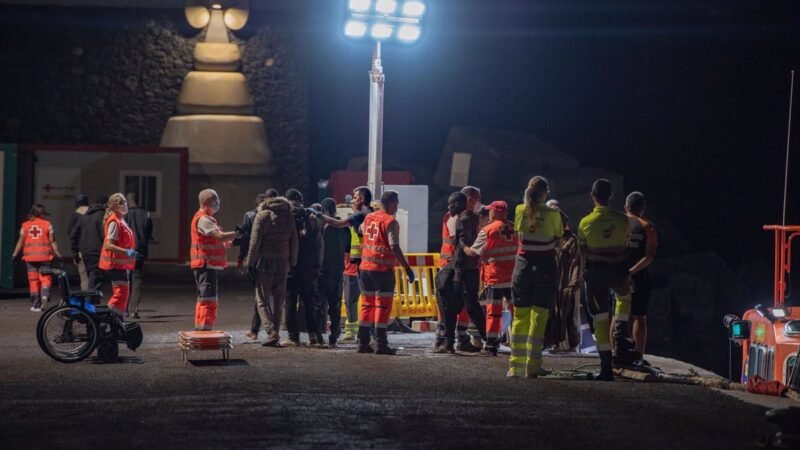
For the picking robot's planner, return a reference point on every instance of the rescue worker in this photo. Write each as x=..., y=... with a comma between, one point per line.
x=303, y=277
x=138, y=219
x=563, y=327
x=329, y=284
x=118, y=256
x=642, y=245
x=243, y=242
x=81, y=206
x=450, y=290
x=361, y=204
x=535, y=278
x=209, y=242
x=271, y=253
x=380, y=253
x=603, y=237
x=496, y=245
x=37, y=245
x=466, y=280
x=86, y=240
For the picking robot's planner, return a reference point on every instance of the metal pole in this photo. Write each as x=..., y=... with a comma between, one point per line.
x=788, y=141
x=376, y=79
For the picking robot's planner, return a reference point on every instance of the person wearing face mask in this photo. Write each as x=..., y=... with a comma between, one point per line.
x=37, y=245
x=207, y=257
x=467, y=272
x=118, y=256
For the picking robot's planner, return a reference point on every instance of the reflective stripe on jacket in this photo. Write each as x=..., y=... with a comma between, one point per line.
x=36, y=245
x=113, y=260
x=542, y=238
x=499, y=253
x=206, y=251
x=604, y=233
x=376, y=253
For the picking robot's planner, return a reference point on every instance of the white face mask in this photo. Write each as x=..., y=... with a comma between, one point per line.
x=477, y=208
x=215, y=207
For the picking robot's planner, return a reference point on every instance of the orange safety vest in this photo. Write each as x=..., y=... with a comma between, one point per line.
x=448, y=243
x=36, y=246
x=499, y=254
x=207, y=250
x=113, y=260
x=376, y=253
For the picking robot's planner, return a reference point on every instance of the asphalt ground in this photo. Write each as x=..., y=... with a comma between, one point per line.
x=319, y=398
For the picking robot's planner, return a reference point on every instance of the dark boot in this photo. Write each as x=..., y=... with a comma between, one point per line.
x=606, y=373
x=625, y=354
x=363, y=340
x=465, y=345
x=383, y=343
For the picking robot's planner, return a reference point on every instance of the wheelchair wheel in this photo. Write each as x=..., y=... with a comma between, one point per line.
x=67, y=333
x=108, y=350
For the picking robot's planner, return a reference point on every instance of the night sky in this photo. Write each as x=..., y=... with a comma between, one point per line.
x=687, y=100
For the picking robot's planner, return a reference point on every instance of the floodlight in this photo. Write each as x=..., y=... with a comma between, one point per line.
x=360, y=5
x=408, y=33
x=386, y=6
x=216, y=6
x=413, y=8
x=381, y=31
x=779, y=313
x=355, y=29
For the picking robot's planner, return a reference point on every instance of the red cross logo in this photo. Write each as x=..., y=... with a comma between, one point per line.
x=35, y=232
x=507, y=233
x=372, y=231
x=47, y=187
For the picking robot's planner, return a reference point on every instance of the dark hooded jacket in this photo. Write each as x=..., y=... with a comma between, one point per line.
x=274, y=235
x=87, y=235
x=309, y=233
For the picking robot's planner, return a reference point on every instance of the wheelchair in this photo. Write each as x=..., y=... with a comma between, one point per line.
x=71, y=330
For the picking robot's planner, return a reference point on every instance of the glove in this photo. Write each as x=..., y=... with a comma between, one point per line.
x=131, y=253
x=238, y=229
x=410, y=275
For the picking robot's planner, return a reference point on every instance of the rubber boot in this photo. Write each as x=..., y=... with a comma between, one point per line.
x=383, y=343
x=606, y=373
x=363, y=340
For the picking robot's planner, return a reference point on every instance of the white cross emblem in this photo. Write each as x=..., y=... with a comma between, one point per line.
x=372, y=231
x=35, y=232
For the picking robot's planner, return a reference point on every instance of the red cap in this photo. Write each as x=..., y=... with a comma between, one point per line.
x=498, y=205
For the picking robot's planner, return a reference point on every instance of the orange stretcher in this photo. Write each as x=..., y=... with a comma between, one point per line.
x=189, y=341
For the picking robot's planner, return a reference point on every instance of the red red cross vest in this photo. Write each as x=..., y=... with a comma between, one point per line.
x=36, y=246
x=499, y=253
x=113, y=260
x=376, y=253
x=206, y=250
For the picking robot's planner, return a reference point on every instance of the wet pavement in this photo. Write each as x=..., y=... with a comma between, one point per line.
x=307, y=398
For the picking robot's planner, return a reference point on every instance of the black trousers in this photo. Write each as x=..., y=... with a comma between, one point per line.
x=96, y=276
x=457, y=293
x=300, y=297
x=329, y=304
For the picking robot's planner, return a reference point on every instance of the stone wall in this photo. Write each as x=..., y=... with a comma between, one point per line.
x=112, y=76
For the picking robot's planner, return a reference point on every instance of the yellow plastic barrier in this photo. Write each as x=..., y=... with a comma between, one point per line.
x=417, y=300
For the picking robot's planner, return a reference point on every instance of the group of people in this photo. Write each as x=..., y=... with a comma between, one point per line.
x=538, y=265
x=303, y=259
x=109, y=240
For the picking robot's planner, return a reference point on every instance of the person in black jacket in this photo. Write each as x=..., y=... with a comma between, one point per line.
x=303, y=276
x=86, y=239
x=81, y=206
x=329, y=285
x=142, y=225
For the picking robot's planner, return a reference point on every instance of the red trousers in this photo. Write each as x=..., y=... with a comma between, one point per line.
x=120, y=290
x=205, y=312
x=494, y=313
x=38, y=284
x=377, y=290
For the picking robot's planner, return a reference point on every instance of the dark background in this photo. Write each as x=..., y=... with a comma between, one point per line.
x=687, y=100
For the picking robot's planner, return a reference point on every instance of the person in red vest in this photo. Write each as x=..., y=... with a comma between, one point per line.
x=38, y=246
x=380, y=253
x=497, y=246
x=118, y=255
x=209, y=243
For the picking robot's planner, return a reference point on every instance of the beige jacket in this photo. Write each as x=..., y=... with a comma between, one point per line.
x=274, y=234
